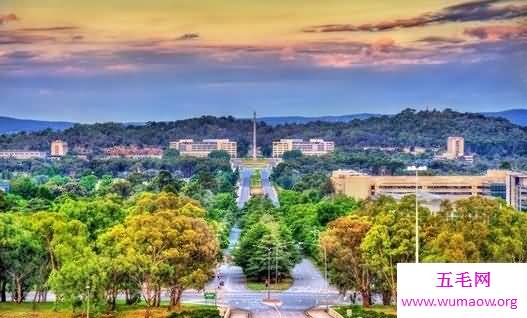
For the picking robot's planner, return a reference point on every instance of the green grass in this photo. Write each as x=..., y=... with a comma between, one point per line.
x=390, y=310
x=46, y=310
x=385, y=309
x=256, y=179
x=260, y=286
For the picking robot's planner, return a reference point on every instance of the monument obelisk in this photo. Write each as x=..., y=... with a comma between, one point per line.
x=254, y=136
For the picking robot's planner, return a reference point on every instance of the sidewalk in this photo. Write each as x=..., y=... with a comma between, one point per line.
x=238, y=313
x=317, y=313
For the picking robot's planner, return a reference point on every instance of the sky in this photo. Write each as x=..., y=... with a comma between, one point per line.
x=137, y=60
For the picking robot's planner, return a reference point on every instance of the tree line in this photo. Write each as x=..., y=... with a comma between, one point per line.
x=483, y=135
x=93, y=238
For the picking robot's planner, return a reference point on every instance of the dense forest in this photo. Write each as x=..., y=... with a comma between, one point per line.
x=483, y=135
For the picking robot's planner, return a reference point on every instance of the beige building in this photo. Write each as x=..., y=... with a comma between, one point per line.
x=59, y=148
x=313, y=147
x=414, y=150
x=517, y=195
x=22, y=154
x=189, y=147
x=363, y=186
x=455, y=147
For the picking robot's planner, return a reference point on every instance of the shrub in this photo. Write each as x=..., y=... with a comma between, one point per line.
x=360, y=312
x=208, y=312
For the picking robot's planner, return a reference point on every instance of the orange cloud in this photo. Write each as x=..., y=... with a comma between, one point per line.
x=4, y=19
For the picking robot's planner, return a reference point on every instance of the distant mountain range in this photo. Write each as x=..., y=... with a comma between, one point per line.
x=515, y=116
x=273, y=121
x=14, y=125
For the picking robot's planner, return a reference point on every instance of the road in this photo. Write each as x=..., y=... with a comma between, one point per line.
x=268, y=188
x=244, y=192
x=308, y=290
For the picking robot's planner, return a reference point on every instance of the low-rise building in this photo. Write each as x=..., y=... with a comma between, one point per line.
x=313, y=147
x=495, y=183
x=414, y=150
x=22, y=154
x=133, y=152
x=59, y=148
x=189, y=147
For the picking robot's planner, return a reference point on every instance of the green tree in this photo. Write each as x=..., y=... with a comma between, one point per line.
x=342, y=240
x=262, y=240
x=219, y=155
x=20, y=254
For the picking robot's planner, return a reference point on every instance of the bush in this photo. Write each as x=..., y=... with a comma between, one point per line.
x=359, y=312
x=205, y=312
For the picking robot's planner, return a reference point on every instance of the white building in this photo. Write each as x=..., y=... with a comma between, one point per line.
x=189, y=147
x=22, y=154
x=313, y=147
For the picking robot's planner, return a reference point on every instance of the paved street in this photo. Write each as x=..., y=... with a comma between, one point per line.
x=244, y=193
x=308, y=289
x=267, y=186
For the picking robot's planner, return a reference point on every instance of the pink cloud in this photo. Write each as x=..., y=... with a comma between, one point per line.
x=121, y=68
x=497, y=32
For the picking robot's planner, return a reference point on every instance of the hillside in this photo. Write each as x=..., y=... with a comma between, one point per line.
x=515, y=116
x=483, y=135
x=13, y=125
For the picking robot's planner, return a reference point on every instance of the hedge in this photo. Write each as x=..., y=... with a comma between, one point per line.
x=211, y=312
x=360, y=312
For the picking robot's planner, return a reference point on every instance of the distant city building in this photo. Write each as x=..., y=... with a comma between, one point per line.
x=414, y=150
x=313, y=147
x=133, y=152
x=387, y=149
x=189, y=147
x=455, y=151
x=455, y=147
x=5, y=186
x=59, y=148
x=517, y=190
x=496, y=183
x=22, y=154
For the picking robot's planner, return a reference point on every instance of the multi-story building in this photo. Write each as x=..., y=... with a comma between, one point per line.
x=133, y=152
x=455, y=147
x=189, y=147
x=59, y=148
x=455, y=151
x=516, y=185
x=495, y=183
x=313, y=147
x=22, y=154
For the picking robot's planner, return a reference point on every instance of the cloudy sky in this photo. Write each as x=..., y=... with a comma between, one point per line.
x=132, y=60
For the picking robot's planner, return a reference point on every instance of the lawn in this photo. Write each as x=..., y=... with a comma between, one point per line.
x=259, y=286
x=256, y=179
x=46, y=310
x=359, y=310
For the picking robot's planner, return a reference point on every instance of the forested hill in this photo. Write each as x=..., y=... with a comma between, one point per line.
x=483, y=135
